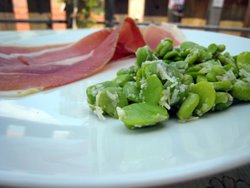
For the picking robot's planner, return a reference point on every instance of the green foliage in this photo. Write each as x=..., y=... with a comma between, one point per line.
x=85, y=7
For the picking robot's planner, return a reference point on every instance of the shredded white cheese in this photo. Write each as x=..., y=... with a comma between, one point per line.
x=245, y=74
x=120, y=112
x=174, y=97
x=182, y=87
x=99, y=112
x=163, y=73
x=112, y=96
x=165, y=99
x=229, y=75
x=98, y=88
x=160, y=117
x=192, y=118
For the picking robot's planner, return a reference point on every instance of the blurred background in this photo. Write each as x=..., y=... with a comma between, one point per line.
x=226, y=16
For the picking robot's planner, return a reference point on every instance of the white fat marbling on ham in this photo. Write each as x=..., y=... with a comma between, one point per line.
x=34, y=54
x=71, y=61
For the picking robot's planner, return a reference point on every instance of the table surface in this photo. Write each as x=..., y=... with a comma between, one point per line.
x=239, y=177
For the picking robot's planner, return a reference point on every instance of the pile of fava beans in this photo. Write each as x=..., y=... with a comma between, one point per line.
x=186, y=82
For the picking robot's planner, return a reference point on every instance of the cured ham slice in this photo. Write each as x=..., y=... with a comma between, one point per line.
x=50, y=54
x=154, y=34
x=61, y=65
x=25, y=70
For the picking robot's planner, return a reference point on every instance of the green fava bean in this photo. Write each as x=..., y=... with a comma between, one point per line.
x=204, y=54
x=241, y=90
x=164, y=46
x=243, y=61
x=131, y=91
x=193, y=56
x=188, y=106
x=139, y=115
x=144, y=54
x=187, y=44
x=221, y=97
x=138, y=77
x=211, y=77
x=110, y=98
x=223, y=100
x=218, y=70
x=200, y=78
x=228, y=62
x=193, y=69
x=221, y=47
x=123, y=78
x=207, y=97
x=187, y=79
x=130, y=70
x=225, y=59
x=212, y=48
x=93, y=90
x=224, y=85
x=149, y=68
x=180, y=65
x=151, y=90
x=171, y=54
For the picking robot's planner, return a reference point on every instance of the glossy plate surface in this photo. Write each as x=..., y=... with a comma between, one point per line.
x=52, y=138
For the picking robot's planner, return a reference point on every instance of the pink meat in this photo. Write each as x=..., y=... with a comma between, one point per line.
x=50, y=54
x=154, y=34
x=44, y=67
x=50, y=70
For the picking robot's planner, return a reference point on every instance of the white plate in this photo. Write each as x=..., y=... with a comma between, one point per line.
x=52, y=138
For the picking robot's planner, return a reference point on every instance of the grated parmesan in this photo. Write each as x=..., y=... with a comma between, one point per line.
x=163, y=73
x=229, y=75
x=120, y=112
x=245, y=74
x=174, y=97
x=165, y=99
x=99, y=112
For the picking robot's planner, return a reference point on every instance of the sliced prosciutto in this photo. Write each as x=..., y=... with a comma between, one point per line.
x=154, y=34
x=59, y=66
x=26, y=70
x=53, y=55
